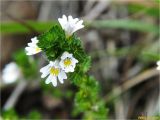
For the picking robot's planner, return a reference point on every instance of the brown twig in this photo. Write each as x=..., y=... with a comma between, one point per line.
x=118, y=90
x=15, y=95
x=22, y=22
x=138, y=95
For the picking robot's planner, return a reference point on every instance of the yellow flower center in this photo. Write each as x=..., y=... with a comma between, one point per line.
x=67, y=62
x=38, y=49
x=54, y=71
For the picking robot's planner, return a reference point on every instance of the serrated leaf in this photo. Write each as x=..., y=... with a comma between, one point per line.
x=86, y=64
x=51, y=42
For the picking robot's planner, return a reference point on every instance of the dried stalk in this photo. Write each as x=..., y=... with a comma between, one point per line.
x=10, y=103
x=131, y=83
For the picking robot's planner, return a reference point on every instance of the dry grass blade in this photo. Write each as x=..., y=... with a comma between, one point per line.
x=131, y=83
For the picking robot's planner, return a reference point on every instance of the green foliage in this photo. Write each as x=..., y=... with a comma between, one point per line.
x=150, y=52
x=16, y=28
x=87, y=100
x=156, y=116
x=148, y=56
x=34, y=115
x=152, y=11
x=12, y=115
x=52, y=41
x=128, y=24
x=97, y=112
x=86, y=64
x=27, y=64
x=9, y=115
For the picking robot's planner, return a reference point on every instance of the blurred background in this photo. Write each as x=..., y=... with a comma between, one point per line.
x=121, y=36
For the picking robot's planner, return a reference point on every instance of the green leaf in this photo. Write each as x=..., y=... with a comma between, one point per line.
x=18, y=28
x=47, y=39
x=52, y=41
x=86, y=64
x=136, y=8
x=126, y=24
x=148, y=56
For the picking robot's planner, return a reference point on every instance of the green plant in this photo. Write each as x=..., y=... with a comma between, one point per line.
x=61, y=44
x=27, y=64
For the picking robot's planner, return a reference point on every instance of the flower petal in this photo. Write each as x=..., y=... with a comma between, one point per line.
x=65, y=55
x=54, y=81
x=49, y=79
x=63, y=21
x=44, y=74
x=62, y=75
x=11, y=73
x=45, y=68
x=32, y=47
x=70, y=24
x=34, y=40
x=158, y=63
x=74, y=60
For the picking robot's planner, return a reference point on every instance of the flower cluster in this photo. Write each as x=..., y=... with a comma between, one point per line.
x=57, y=68
x=63, y=49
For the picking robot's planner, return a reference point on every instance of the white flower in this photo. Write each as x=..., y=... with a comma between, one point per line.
x=11, y=73
x=54, y=71
x=32, y=47
x=158, y=65
x=68, y=62
x=70, y=25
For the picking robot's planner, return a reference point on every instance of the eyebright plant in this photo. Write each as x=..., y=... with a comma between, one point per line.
x=68, y=60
